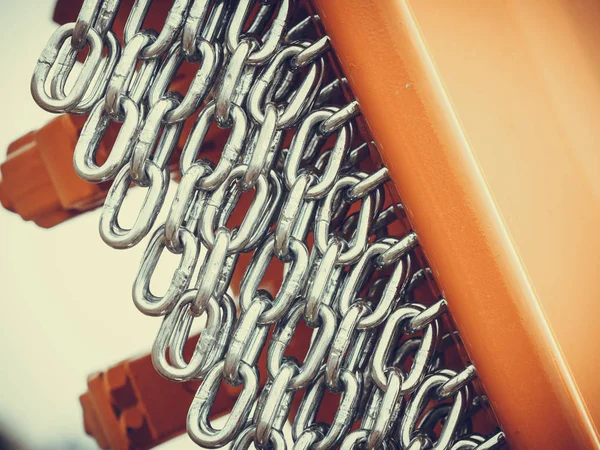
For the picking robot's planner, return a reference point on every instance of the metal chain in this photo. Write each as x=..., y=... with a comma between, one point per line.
x=262, y=79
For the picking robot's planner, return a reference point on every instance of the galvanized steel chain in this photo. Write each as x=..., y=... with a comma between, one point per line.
x=262, y=80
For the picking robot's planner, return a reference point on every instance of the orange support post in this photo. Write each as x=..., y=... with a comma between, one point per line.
x=391, y=71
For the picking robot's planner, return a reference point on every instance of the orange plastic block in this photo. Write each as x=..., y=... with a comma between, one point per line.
x=38, y=179
x=131, y=406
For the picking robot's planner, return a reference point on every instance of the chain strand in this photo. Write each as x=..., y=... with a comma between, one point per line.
x=263, y=81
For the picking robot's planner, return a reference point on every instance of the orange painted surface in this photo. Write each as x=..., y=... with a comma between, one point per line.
x=455, y=194
x=527, y=93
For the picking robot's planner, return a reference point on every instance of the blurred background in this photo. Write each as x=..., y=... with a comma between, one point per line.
x=66, y=302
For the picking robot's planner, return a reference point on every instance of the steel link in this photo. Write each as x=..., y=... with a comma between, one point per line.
x=361, y=272
x=84, y=23
x=324, y=281
x=99, y=14
x=367, y=185
x=148, y=136
x=199, y=427
x=210, y=346
x=187, y=205
x=296, y=211
x=233, y=84
x=354, y=249
x=261, y=150
x=456, y=383
x=272, y=38
x=309, y=437
x=345, y=414
x=202, y=25
x=127, y=80
x=388, y=339
x=241, y=238
x=246, y=438
x=149, y=303
x=216, y=265
x=231, y=150
x=96, y=125
x=96, y=90
x=199, y=87
x=423, y=319
x=339, y=118
x=106, y=16
x=311, y=53
x=111, y=232
x=283, y=334
x=293, y=280
x=247, y=341
x=398, y=250
x=301, y=100
x=383, y=409
x=298, y=149
x=480, y=443
x=50, y=58
x=348, y=347
x=409, y=433
x=272, y=410
x=173, y=23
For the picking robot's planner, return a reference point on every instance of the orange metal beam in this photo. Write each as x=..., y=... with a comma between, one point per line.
x=420, y=138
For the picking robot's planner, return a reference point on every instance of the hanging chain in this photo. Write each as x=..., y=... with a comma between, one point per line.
x=312, y=210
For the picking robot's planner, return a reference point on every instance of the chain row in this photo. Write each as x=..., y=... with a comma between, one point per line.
x=312, y=210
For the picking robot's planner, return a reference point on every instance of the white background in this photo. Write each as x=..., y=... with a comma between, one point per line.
x=66, y=308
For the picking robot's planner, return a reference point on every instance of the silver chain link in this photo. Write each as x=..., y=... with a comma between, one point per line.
x=313, y=210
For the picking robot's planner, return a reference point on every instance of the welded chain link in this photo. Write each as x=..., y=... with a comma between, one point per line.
x=307, y=206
